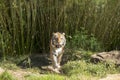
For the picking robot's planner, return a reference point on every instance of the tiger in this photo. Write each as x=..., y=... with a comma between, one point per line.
x=57, y=44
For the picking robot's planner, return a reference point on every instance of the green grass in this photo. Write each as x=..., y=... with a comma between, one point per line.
x=7, y=76
x=82, y=77
x=89, y=69
x=59, y=77
x=45, y=77
x=8, y=65
x=72, y=70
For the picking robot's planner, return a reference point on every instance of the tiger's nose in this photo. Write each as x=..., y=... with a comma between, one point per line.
x=57, y=46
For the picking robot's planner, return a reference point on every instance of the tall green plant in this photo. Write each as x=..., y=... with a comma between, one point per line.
x=27, y=25
x=81, y=40
x=18, y=26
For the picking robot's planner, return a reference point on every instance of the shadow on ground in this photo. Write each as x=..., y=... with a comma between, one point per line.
x=38, y=60
x=35, y=60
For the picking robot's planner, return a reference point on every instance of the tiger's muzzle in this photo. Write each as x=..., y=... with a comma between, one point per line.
x=58, y=46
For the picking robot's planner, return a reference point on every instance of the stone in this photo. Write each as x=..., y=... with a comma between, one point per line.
x=112, y=56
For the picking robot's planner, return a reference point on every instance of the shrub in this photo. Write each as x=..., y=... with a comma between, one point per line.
x=81, y=40
x=81, y=45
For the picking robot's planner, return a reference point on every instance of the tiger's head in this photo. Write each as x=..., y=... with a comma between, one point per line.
x=58, y=40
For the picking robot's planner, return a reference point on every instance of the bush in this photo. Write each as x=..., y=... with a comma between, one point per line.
x=81, y=45
x=81, y=40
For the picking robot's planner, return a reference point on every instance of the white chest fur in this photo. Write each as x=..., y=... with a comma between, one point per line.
x=58, y=51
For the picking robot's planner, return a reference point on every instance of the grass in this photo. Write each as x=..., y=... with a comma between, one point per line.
x=7, y=76
x=8, y=65
x=59, y=77
x=72, y=70
x=78, y=70
x=86, y=68
x=45, y=77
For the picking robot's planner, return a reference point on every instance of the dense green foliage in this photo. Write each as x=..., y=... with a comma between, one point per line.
x=83, y=41
x=26, y=25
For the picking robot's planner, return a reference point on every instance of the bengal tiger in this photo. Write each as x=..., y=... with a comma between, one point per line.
x=57, y=44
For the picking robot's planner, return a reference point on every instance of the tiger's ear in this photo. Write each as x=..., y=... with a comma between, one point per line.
x=63, y=33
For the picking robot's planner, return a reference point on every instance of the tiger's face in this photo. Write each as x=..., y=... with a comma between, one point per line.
x=58, y=40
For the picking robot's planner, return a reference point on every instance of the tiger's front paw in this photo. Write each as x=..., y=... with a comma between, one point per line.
x=59, y=67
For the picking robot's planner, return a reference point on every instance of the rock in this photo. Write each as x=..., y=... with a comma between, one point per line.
x=112, y=56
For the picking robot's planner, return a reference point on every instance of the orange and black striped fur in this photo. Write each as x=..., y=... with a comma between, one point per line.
x=57, y=45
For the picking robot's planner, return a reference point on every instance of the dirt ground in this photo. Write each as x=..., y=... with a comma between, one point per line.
x=112, y=77
x=18, y=74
